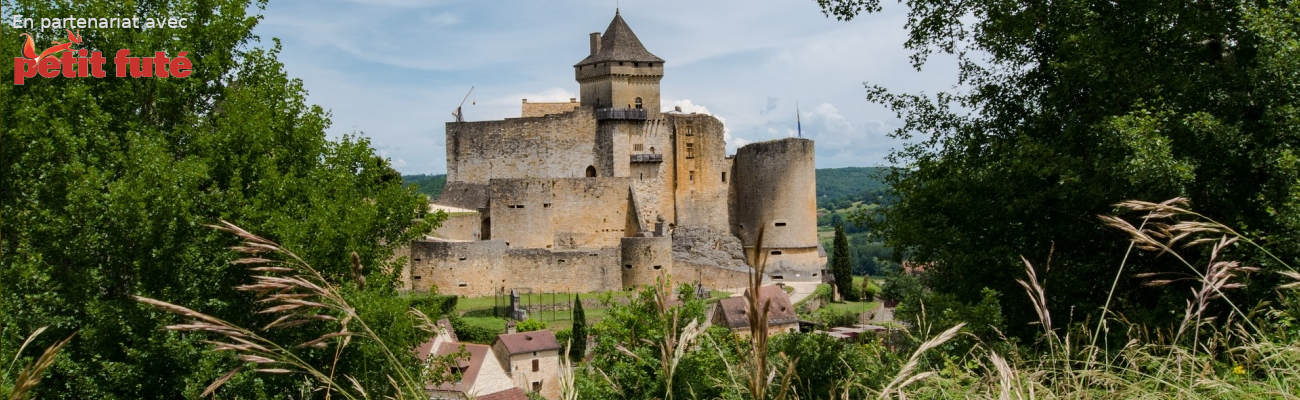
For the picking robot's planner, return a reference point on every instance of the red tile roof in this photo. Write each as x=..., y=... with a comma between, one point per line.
x=527, y=342
x=469, y=367
x=508, y=394
x=734, y=310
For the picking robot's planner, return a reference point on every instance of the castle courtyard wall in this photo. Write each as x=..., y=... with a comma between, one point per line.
x=551, y=146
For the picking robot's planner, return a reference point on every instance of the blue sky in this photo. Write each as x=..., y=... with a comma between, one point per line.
x=394, y=70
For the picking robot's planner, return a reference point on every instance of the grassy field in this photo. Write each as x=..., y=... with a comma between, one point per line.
x=478, y=310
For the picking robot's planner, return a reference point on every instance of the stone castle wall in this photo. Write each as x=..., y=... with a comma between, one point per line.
x=562, y=213
x=552, y=146
x=699, y=163
x=651, y=180
x=482, y=268
x=460, y=226
x=540, y=109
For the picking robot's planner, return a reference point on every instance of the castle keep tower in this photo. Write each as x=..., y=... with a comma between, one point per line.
x=620, y=73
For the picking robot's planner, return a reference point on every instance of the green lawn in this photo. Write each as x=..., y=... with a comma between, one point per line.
x=855, y=306
x=478, y=310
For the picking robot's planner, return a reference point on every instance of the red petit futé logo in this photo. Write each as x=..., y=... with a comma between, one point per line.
x=63, y=59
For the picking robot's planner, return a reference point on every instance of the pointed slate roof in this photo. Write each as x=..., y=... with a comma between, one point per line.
x=618, y=43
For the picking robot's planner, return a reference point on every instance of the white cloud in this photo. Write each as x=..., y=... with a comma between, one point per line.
x=395, y=69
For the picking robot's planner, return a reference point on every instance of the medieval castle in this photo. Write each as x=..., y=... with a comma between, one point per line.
x=607, y=192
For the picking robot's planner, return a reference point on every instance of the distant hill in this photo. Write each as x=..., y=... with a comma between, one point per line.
x=840, y=187
x=836, y=187
x=430, y=185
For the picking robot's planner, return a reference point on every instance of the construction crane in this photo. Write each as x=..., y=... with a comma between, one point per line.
x=459, y=114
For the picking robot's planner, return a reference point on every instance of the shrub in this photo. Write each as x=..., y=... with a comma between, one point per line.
x=530, y=325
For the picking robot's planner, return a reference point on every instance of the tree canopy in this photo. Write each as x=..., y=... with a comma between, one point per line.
x=108, y=185
x=1064, y=108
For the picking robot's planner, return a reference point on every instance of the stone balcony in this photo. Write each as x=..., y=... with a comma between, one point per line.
x=647, y=158
x=638, y=114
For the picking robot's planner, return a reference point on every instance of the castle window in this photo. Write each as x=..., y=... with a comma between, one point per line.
x=562, y=261
x=627, y=266
x=416, y=277
x=620, y=63
x=777, y=277
x=775, y=252
x=462, y=259
x=536, y=367
x=724, y=177
x=657, y=267
x=462, y=284
x=591, y=171
x=638, y=147
x=638, y=103
x=652, y=149
x=537, y=386
x=780, y=224
x=692, y=176
x=690, y=150
x=417, y=259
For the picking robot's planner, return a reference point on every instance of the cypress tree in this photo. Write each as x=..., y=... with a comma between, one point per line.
x=579, y=333
x=841, y=267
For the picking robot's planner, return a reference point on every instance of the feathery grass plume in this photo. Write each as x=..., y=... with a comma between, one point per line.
x=1165, y=227
x=568, y=390
x=907, y=375
x=758, y=366
x=1037, y=296
x=296, y=294
x=31, y=374
x=673, y=346
x=1006, y=377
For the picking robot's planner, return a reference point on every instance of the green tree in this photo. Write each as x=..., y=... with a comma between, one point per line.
x=626, y=357
x=106, y=185
x=1065, y=108
x=842, y=267
x=578, y=348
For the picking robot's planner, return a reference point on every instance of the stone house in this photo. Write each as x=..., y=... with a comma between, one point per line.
x=733, y=312
x=482, y=376
x=532, y=360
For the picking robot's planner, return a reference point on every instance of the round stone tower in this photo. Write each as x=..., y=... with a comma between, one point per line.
x=775, y=190
x=645, y=259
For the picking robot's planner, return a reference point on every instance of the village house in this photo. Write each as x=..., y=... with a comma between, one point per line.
x=733, y=312
x=482, y=376
x=532, y=359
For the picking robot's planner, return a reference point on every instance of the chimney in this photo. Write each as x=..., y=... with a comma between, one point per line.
x=510, y=327
x=595, y=43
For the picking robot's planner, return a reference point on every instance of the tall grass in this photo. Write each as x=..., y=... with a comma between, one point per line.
x=297, y=295
x=1235, y=354
x=18, y=384
x=1238, y=356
